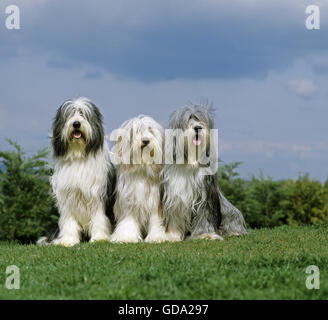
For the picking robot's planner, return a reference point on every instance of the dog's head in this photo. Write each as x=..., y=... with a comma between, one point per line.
x=77, y=128
x=196, y=121
x=140, y=141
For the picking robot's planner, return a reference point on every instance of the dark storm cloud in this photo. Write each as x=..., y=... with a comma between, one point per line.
x=163, y=40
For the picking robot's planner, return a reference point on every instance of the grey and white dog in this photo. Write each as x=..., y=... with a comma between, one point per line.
x=192, y=203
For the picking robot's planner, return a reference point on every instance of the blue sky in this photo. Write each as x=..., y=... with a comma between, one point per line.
x=264, y=72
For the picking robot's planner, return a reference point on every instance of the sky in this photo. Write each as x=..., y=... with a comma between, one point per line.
x=264, y=72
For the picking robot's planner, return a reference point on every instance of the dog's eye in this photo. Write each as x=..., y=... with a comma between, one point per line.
x=81, y=113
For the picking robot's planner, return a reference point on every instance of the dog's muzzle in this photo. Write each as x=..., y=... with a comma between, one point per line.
x=197, y=141
x=77, y=134
x=144, y=142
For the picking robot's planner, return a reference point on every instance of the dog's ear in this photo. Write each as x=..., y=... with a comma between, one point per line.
x=111, y=194
x=117, y=148
x=158, y=144
x=96, y=122
x=213, y=202
x=163, y=199
x=122, y=146
x=59, y=144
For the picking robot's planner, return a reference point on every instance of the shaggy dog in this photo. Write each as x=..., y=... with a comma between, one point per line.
x=138, y=153
x=84, y=178
x=192, y=203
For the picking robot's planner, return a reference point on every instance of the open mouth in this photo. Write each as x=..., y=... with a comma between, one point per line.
x=77, y=134
x=197, y=141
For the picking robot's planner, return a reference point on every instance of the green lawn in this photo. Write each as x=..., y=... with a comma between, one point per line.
x=270, y=264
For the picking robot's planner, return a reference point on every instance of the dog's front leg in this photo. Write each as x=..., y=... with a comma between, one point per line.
x=173, y=232
x=127, y=230
x=156, y=230
x=100, y=227
x=203, y=229
x=69, y=232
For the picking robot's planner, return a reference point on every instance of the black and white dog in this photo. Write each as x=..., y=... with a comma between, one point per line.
x=192, y=203
x=83, y=181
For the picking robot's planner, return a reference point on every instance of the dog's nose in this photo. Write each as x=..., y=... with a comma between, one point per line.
x=145, y=142
x=76, y=124
x=196, y=128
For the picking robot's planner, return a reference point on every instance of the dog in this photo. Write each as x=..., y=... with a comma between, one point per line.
x=192, y=203
x=83, y=180
x=138, y=154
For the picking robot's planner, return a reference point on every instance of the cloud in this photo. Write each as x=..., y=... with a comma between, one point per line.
x=269, y=148
x=164, y=40
x=151, y=57
x=277, y=159
x=305, y=88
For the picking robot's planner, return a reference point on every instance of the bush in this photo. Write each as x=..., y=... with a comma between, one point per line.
x=268, y=203
x=306, y=201
x=262, y=205
x=27, y=209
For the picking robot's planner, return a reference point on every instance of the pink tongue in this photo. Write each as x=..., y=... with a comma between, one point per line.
x=196, y=142
x=77, y=135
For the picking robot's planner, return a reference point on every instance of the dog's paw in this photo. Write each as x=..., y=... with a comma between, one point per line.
x=100, y=238
x=66, y=242
x=174, y=236
x=156, y=237
x=206, y=236
x=125, y=238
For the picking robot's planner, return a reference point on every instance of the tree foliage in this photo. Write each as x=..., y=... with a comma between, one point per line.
x=27, y=209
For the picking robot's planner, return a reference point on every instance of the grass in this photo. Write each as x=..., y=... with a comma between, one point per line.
x=270, y=264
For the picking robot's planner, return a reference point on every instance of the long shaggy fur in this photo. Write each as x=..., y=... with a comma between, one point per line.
x=137, y=207
x=83, y=181
x=192, y=203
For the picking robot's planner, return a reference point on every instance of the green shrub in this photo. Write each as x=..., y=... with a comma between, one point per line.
x=262, y=205
x=268, y=203
x=306, y=201
x=27, y=209
x=232, y=186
